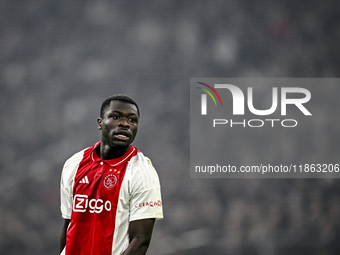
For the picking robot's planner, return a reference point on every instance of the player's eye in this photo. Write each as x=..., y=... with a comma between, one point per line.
x=133, y=120
x=115, y=117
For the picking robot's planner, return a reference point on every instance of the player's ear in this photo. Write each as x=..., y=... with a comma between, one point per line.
x=99, y=121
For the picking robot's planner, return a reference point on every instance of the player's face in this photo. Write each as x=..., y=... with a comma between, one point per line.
x=119, y=124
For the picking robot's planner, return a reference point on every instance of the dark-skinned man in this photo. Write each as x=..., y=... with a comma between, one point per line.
x=110, y=192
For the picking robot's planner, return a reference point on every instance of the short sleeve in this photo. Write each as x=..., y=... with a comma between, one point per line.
x=65, y=199
x=146, y=201
x=66, y=184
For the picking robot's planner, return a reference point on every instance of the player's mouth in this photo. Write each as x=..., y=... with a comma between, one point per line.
x=123, y=136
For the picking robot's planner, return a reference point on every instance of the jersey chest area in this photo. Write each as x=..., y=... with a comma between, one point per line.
x=96, y=187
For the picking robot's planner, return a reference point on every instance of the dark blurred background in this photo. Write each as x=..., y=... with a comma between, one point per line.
x=60, y=59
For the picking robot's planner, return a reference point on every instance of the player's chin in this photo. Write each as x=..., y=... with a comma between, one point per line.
x=122, y=144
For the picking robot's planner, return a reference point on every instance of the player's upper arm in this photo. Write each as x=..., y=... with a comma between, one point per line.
x=141, y=228
x=140, y=232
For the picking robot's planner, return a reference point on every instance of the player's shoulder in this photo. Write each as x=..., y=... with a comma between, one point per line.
x=70, y=168
x=142, y=162
x=75, y=158
x=143, y=172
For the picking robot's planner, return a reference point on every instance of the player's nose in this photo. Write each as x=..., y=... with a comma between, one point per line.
x=123, y=122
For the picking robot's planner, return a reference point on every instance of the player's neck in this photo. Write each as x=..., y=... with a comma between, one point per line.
x=105, y=152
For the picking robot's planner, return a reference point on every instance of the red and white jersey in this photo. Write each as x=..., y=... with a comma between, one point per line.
x=101, y=197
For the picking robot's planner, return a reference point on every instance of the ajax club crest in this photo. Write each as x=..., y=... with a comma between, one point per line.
x=110, y=181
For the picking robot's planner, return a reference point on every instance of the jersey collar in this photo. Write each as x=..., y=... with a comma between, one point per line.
x=111, y=162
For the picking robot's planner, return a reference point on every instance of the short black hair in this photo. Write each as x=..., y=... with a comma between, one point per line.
x=119, y=97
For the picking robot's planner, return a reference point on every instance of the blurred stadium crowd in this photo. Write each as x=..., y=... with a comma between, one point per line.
x=60, y=59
